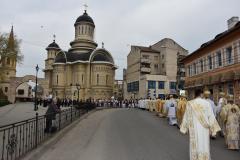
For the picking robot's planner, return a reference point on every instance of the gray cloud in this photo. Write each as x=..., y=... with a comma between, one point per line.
x=118, y=23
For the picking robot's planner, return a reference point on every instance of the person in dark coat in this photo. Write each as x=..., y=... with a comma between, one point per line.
x=51, y=115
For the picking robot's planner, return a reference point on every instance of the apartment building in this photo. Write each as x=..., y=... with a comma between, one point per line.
x=152, y=71
x=216, y=64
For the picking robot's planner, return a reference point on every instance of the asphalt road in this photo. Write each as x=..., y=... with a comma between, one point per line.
x=126, y=134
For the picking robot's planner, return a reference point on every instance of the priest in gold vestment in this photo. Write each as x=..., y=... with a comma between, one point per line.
x=200, y=122
x=181, y=107
x=231, y=122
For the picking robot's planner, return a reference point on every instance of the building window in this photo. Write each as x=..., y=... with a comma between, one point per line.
x=162, y=56
x=21, y=92
x=82, y=79
x=189, y=71
x=106, y=79
x=156, y=66
x=172, y=85
x=151, y=84
x=145, y=56
x=6, y=89
x=133, y=86
x=210, y=62
x=220, y=88
x=230, y=88
x=194, y=69
x=97, y=79
x=201, y=65
x=161, y=85
x=57, y=79
x=8, y=61
x=229, y=55
x=219, y=59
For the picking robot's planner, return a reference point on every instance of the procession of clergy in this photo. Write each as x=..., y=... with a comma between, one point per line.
x=201, y=118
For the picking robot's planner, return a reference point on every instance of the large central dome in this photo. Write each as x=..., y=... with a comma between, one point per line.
x=84, y=18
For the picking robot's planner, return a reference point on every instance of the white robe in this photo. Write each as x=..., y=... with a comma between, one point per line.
x=200, y=122
x=171, y=110
x=213, y=106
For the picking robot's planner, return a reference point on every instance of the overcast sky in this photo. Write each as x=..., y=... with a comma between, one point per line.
x=119, y=24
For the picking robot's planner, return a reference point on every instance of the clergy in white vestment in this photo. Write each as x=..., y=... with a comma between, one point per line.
x=171, y=110
x=200, y=122
x=207, y=95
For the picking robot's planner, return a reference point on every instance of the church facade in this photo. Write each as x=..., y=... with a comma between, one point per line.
x=84, y=71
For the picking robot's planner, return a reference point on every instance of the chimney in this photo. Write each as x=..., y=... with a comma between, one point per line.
x=232, y=22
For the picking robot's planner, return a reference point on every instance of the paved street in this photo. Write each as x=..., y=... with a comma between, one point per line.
x=126, y=134
x=18, y=112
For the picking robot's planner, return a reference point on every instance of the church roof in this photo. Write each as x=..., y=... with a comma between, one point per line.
x=53, y=45
x=84, y=18
x=72, y=57
x=99, y=55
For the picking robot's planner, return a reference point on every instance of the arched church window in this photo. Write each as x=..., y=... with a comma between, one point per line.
x=8, y=61
x=97, y=79
x=106, y=79
x=82, y=29
x=82, y=79
x=57, y=79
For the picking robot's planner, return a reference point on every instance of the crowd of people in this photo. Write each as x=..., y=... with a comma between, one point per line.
x=201, y=118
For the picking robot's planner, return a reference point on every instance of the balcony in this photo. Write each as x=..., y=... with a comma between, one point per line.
x=145, y=61
x=145, y=70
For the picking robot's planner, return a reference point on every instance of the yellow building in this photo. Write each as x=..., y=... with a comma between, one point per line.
x=83, y=65
x=8, y=65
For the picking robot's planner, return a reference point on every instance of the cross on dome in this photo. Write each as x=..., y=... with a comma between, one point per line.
x=85, y=7
x=102, y=44
x=54, y=38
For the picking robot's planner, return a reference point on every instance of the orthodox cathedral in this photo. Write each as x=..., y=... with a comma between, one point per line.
x=84, y=71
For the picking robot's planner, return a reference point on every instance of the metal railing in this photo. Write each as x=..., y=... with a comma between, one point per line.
x=18, y=138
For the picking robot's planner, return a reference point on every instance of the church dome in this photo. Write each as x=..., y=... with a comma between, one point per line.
x=101, y=55
x=53, y=45
x=84, y=18
x=61, y=57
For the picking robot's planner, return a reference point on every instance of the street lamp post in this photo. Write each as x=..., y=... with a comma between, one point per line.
x=35, y=105
x=78, y=88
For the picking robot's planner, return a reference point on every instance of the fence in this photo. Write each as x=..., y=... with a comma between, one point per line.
x=18, y=138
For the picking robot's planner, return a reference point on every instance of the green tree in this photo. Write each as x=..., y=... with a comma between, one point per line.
x=10, y=49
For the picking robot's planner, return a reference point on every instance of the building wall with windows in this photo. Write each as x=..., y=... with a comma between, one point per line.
x=216, y=65
x=84, y=71
x=159, y=60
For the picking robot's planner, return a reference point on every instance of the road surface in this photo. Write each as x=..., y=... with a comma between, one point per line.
x=126, y=134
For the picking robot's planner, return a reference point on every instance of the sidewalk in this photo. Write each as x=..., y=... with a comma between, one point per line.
x=19, y=111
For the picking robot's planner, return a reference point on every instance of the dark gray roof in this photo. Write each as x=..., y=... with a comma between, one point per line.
x=53, y=45
x=102, y=57
x=71, y=57
x=60, y=58
x=98, y=55
x=84, y=18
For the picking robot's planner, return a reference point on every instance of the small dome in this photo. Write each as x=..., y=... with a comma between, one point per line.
x=84, y=18
x=53, y=45
x=101, y=55
x=60, y=58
